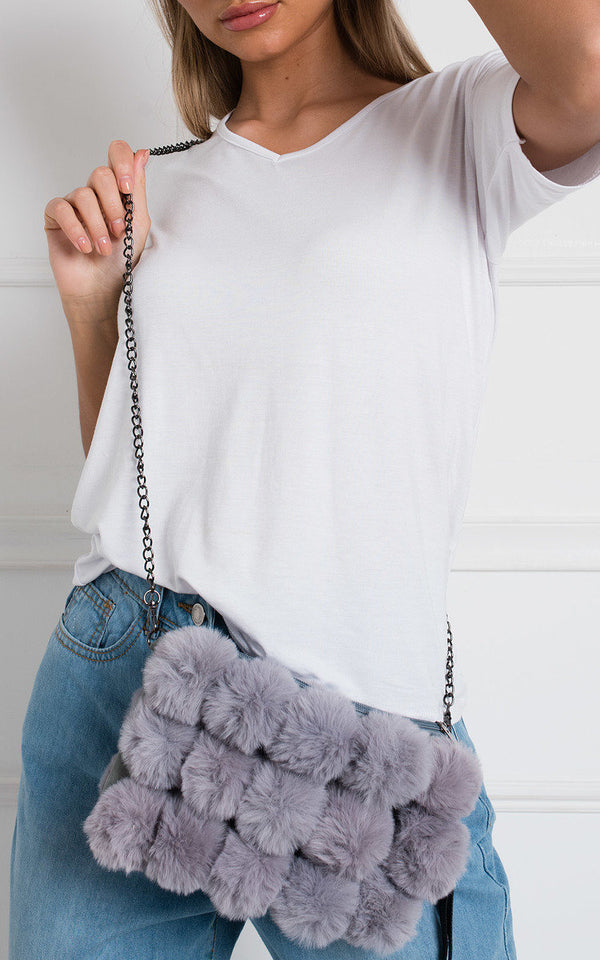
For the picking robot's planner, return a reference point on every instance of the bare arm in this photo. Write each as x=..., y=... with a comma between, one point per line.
x=94, y=342
x=553, y=44
x=88, y=267
x=555, y=47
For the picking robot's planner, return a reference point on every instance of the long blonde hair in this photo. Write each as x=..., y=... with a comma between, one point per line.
x=207, y=80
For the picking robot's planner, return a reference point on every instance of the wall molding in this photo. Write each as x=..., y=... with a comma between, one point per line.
x=544, y=796
x=541, y=270
x=45, y=542
x=25, y=272
x=549, y=271
x=521, y=544
x=507, y=796
x=487, y=544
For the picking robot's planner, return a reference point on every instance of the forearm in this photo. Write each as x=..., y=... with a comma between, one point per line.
x=552, y=44
x=94, y=344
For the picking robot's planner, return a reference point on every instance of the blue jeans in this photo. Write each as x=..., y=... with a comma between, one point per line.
x=65, y=906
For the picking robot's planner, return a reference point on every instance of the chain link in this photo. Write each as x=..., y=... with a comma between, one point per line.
x=151, y=628
x=449, y=691
x=152, y=595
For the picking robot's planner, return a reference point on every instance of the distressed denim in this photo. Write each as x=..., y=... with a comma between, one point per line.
x=65, y=906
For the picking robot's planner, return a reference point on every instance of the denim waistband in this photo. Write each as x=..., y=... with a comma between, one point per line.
x=183, y=609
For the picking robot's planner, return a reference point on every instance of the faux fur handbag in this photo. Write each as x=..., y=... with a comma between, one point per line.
x=268, y=794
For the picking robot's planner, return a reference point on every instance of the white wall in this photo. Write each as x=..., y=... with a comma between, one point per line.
x=524, y=597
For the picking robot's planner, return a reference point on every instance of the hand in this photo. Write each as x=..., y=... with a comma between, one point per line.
x=87, y=272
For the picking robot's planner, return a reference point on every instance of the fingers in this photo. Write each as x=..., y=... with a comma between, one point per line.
x=88, y=215
x=103, y=183
x=59, y=214
x=139, y=187
x=86, y=205
x=120, y=158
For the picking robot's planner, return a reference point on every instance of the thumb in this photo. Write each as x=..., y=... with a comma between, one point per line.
x=140, y=205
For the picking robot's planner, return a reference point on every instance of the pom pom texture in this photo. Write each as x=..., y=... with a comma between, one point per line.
x=268, y=796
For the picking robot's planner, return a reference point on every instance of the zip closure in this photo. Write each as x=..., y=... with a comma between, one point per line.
x=433, y=725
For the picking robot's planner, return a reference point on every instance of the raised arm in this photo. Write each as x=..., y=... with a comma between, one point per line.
x=554, y=45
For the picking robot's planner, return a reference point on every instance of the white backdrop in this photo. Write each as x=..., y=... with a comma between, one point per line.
x=524, y=596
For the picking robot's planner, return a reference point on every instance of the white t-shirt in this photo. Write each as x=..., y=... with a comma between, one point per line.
x=314, y=331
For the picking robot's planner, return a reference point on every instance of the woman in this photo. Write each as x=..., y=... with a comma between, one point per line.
x=314, y=301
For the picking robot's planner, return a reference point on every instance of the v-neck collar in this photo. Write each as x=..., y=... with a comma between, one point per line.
x=226, y=134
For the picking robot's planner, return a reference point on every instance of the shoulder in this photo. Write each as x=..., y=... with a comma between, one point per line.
x=458, y=75
x=441, y=90
x=436, y=98
x=165, y=156
x=168, y=163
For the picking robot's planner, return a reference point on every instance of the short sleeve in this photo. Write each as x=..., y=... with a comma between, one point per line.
x=510, y=190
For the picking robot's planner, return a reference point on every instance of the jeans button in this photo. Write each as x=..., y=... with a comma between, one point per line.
x=198, y=614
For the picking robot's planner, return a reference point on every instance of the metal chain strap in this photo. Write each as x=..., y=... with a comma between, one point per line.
x=449, y=693
x=152, y=596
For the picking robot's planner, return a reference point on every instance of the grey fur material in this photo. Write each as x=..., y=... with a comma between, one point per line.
x=153, y=747
x=120, y=829
x=184, y=848
x=455, y=782
x=392, y=762
x=316, y=736
x=386, y=917
x=314, y=906
x=267, y=796
x=183, y=665
x=214, y=777
x=429, y=853
x=246, y=707
x=244, y=881
x=279, y=810
x=351, y=837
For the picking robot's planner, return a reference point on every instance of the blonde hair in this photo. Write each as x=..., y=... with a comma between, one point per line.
x=207, y=80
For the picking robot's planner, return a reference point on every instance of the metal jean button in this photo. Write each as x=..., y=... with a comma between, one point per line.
x=198, y=614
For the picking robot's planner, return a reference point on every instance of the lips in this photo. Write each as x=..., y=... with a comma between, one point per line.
x=241, y=9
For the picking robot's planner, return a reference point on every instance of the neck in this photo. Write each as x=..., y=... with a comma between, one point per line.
x=315, y=70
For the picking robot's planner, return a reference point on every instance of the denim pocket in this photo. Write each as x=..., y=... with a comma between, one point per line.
x=96, y=625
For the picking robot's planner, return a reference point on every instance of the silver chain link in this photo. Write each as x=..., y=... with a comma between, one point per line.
x=152, y=595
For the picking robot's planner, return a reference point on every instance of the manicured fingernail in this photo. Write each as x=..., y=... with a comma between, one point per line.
x=103, y=245
x=83, y=243
x=125, y=185
x=117, y=224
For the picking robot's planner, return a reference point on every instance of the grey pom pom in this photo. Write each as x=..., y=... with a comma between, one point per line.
x=214, y=777
x=153, y=747
x=386, y=918
x=351, y=836
x=392, y=760
x=122, y=824
x=247, y=705
x=243, y=880
x=279, y=810
x=315, y=738
x=184, y=849
x=456, y=780
x=314, y=906
x=428, y=854
x=182, y=666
